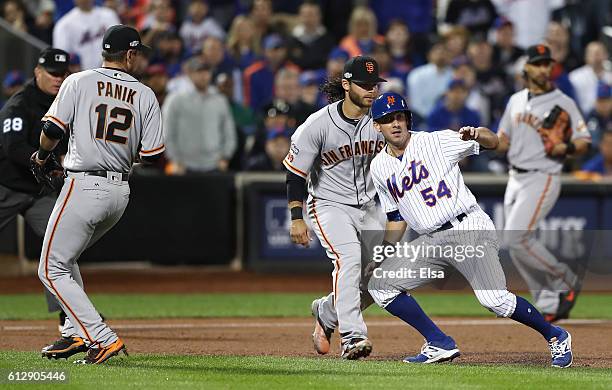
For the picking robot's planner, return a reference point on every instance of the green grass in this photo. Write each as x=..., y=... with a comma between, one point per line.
x=118, y=306
x=212, y=372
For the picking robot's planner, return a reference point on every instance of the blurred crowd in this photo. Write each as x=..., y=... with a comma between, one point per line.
x=235, y=78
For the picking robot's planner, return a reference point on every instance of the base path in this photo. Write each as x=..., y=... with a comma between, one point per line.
x=481, y=340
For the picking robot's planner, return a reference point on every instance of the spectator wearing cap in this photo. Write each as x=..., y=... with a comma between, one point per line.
x=243, y=44
x=200, y=130
x=476, y=100
x=309, y=43
x=399, y=44
x=362, y=34
x=451, y=111
x=277, y=117
x=475, y=15
x=335, y=62
x=601, y=164
x=21, y=119
x=428, y=82
x=81, y=30
x=13, y=82
x=505, y=52
x=258, y=78
x=156, y=78
x=199, y=26
x=599, y=120
x=310, y=99
x=276, y=149
x=585, y=79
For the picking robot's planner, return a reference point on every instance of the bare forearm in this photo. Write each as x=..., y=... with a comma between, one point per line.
x=394, y=231
x=487, y=139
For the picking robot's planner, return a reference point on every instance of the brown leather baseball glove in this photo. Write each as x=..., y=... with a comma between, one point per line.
x=555, y=129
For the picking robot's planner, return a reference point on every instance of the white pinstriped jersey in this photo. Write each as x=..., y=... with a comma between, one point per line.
x=111, y=118
x=335, y=155
x=521, y=120
x=426, y=186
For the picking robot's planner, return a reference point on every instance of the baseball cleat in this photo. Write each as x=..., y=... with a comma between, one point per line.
x=321, y=336
x=356, y=349
x=64, y=348
x=566, y=304
x=100, y=355
x=561, y=350
x=436, y=352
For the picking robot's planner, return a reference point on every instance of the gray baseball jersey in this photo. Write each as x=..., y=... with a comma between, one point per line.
x=113, y=108
x=531, y=194
x=521, y=120
x=111, y=118
x=335, y=154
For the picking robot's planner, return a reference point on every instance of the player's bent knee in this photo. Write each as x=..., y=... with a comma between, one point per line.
x=499, y=302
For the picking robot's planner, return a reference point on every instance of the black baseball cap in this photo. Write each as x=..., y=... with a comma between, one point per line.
x=362, y=69
x=537, y=53
x=54, y=60
x=121, y=37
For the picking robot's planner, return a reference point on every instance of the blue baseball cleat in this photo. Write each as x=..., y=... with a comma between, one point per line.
x=561, y=349
x=436, y=352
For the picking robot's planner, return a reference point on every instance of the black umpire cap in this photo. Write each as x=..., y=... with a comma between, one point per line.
x=537, y=53
x=362, y=69
x=55, y=61
x=120, y=38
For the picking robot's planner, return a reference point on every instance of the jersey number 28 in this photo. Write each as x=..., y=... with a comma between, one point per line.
x=430, y=198
x=107, y=132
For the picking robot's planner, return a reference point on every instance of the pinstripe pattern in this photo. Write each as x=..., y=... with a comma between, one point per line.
x=440, y=153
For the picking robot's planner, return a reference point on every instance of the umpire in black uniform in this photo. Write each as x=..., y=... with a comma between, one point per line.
x=21, y=121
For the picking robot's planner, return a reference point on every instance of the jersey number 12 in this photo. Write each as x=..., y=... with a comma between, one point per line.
x=430, y=198
x=107, y=132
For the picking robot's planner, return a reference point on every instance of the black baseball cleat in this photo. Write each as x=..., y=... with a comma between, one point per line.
x=64, y=348
x=357, y=349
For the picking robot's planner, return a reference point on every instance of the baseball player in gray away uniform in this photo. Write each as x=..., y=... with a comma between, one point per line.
x=535, y=184
x=419, y=182
x=112, y=118
x=332, y=150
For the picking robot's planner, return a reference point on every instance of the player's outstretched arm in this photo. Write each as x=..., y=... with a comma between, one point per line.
x=579, y=147
x=485, y=137
x=394, y=231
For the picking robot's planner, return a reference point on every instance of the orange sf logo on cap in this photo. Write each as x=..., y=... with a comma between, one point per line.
x=369, y=66
x=541, y=49
x=390, y=100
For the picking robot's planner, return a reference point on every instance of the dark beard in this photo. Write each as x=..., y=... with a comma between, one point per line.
x=357, y=100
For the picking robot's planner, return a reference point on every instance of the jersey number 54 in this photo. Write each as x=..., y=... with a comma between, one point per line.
x=430, y=198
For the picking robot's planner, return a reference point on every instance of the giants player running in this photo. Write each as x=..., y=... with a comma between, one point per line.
x=112, y=119
x=535, y=184
x=419, y=183
x=332, y=150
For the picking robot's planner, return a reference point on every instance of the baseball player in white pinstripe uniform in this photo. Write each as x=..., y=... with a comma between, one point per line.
x=535, y=183
x=419, y=183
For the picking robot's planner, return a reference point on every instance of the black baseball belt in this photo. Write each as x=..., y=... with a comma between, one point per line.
x=449, y=225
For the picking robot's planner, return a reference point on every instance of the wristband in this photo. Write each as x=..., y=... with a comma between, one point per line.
x=43, y=154
x=296, y=213
x=571, y=148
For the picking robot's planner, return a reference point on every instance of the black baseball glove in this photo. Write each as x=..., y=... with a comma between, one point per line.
x=50, y=175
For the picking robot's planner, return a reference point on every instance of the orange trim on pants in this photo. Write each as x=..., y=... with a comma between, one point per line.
x=534, y=217
x=337, y=261
x=59, y=216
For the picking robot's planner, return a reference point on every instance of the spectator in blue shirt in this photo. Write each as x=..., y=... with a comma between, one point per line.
x=451, y=111
x=600, y=119
x=602, y=163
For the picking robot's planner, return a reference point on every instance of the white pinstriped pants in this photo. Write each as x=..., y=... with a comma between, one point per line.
x=483, y=272
x=528, y=199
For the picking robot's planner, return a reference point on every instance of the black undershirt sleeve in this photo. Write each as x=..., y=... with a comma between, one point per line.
x=296, y=187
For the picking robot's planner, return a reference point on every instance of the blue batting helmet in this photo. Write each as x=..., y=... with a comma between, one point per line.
x=390, y=102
